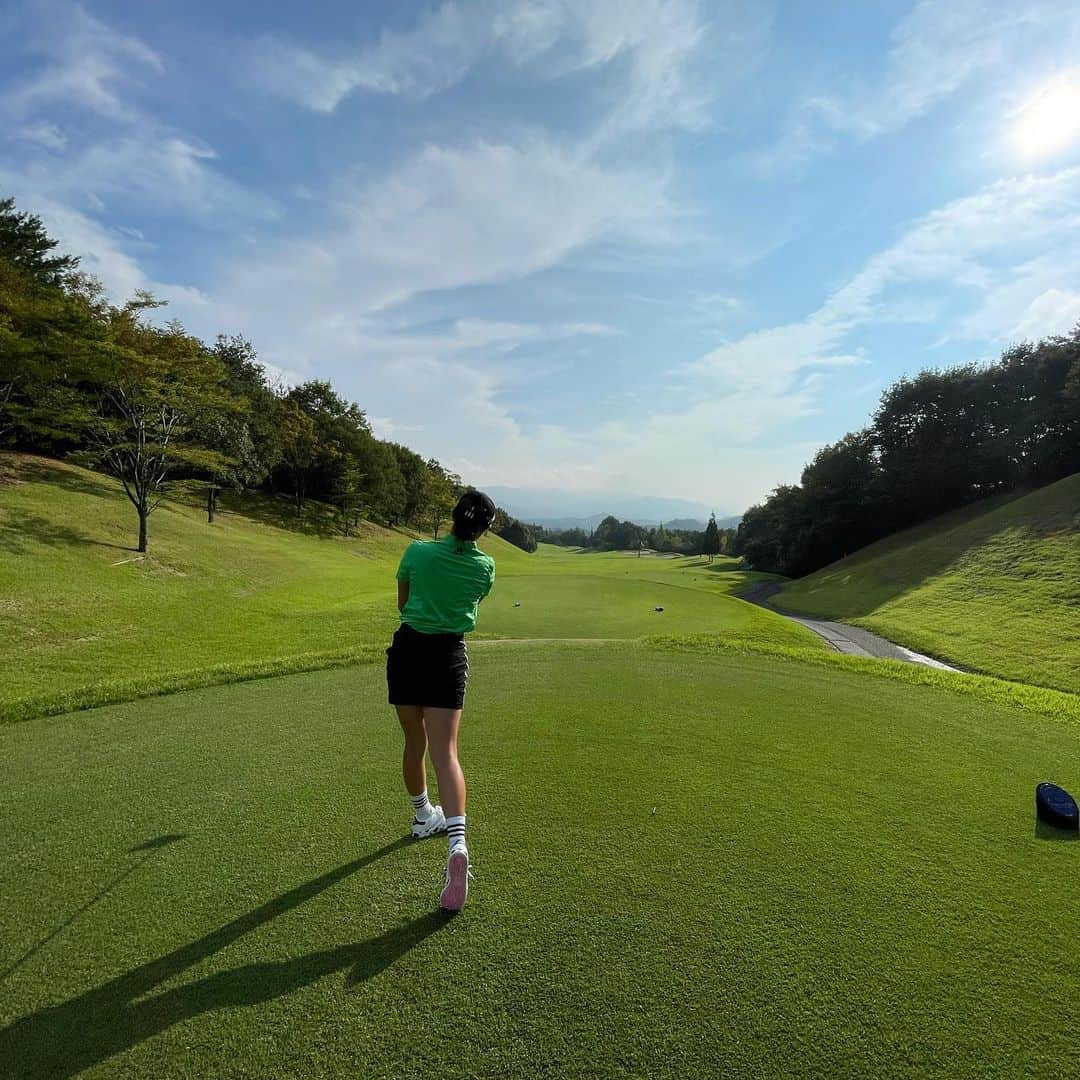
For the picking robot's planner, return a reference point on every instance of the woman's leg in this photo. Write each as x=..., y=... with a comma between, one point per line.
x=442, y=728
x=412, y=759
x=442, y=732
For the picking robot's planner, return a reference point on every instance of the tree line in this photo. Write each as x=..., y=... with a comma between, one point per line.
x=151, y=405
x=937, y=441
x=614, y=535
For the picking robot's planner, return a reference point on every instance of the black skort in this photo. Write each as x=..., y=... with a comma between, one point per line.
x=427, y=669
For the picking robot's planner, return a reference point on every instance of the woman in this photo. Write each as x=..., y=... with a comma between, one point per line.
x=440, y=584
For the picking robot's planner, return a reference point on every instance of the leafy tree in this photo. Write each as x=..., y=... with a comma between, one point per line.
x=140, y=416
x=769, y=534
x=935, y=437
x=843, y=498
x=711, y=541
x=1039, y=426
x=383, y=484
x=606, y=534
x=299, y=444
x=46, y=336
x=441, y=493
x=248, y=437
x=26, y=245
x=413, y=472
x=348, y=495
x=514, y=532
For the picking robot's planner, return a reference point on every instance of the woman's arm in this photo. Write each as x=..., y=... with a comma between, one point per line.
x=402, y=595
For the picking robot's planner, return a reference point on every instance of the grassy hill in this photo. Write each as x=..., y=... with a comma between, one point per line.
x=994, y=587
x=85, y=620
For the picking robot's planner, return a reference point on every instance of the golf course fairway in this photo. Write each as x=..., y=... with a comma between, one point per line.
x=703, y=843
x=686, y=864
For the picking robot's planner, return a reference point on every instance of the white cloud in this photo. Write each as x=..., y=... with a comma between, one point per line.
x=1039, y=298
x=49, y=136
x=976, y=244
x=1055, y=311
x=80, y=63
x=86, y=65
x=146, y=169
x=102, y=254
x=937, y=50
x=740, y=392
x=470, y=335
x=450, y=390
x=447, y=218
x=660, y=45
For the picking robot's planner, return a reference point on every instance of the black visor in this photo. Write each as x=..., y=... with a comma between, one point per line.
x=476, y=508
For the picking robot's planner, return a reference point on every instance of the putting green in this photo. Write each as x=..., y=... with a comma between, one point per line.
x=840, y=878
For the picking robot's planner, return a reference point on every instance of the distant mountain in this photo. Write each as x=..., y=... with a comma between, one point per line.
x=696, y=525
x=578, y=510
x=586, y=523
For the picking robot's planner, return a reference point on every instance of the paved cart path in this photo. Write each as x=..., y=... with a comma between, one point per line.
x=853, y=640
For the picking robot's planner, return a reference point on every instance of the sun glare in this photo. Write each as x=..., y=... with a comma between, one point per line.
x=1050, y=121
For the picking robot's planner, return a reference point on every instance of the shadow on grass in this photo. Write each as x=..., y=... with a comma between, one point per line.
x=63, y=1040
x=1043, y=831
x=18, y=528
x=30, y=469
x=149, y=846
x=279, y=512
x=937, y=545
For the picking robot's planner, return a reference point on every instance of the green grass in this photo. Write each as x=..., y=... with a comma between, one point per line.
x=577, y=605
x=842, y=877
x=85, y=622
x=994, y=588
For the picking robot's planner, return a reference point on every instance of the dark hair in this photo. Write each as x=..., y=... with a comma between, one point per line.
x=473, y=515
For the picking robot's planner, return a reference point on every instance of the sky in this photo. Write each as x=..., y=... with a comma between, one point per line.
x=656, y=247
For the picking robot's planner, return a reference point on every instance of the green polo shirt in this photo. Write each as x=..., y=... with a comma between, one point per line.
x=447, y=579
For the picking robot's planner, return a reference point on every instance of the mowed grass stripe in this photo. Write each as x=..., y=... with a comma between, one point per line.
x=841, y=876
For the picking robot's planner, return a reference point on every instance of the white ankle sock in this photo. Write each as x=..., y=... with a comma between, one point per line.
x=421, y=805
x=455, y=831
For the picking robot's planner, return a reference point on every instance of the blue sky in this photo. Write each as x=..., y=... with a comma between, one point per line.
x=642, y=246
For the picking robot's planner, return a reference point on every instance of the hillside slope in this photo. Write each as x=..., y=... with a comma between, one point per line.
x=85, y=620
x=80, y=607
x=994, y=588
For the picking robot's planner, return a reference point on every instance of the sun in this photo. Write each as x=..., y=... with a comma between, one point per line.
x=1050, y=121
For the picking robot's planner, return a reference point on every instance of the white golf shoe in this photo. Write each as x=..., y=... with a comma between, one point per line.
x=434, y=823
x=456, y=889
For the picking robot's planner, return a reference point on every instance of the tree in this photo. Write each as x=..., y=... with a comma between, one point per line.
x=711, y=543
x=606, y=534
x=348, y=495
x=440, y=494
x=844, y=501
x=46, y=333
x=26, y=245
x=1036, y=389
x=42, y=331
x=413, y=471
x=383, y=484
x=151, y=385
x=250, y=436
x=299, y=442
x=515, y=532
